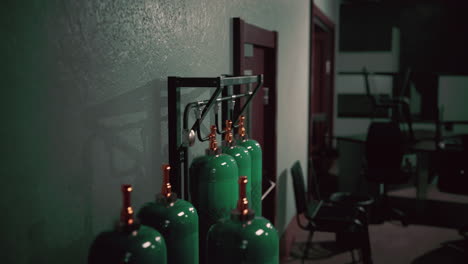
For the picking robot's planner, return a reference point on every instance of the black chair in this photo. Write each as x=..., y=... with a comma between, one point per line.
x=331, y=195
x=326, y=217
x=385, y=148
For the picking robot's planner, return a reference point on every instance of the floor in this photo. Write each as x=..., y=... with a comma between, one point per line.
x=433, y=222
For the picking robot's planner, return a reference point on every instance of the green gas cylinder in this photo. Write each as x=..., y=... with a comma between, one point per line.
x=130, y=243
x=255, y=151
x=243, y=238
x=240, y=154
x=213, y=187
x=177, y=220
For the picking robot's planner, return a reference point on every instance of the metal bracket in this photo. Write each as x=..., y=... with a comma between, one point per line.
x=188, y=138
x=272, y=186
x=182, y=136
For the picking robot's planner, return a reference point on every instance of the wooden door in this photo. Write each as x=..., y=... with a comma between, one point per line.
x=321, y=93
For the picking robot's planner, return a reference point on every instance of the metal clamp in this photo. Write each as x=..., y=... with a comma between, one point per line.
x=188, y=137
x=272, y=186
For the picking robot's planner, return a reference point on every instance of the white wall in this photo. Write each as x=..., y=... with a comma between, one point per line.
x=88, y=107
x=379, y=84
x=329, y=8
x=293, y=107
x=293, y=102
x=453, y=98
x=374, y=61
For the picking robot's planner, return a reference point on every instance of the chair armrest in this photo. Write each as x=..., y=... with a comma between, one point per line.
x=332, y=217
x=312, y=209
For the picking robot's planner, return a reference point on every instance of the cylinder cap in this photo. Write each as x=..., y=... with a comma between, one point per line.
x=212, y=137
x=213, y=149
x=241, y=131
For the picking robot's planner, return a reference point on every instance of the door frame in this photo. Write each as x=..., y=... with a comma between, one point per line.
x=245, y=33
x=319, y=19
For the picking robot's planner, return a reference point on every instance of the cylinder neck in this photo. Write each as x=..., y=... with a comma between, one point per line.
x=228, y=136
x=242, y=212
x=212, y=137
x=241, y=131
x=213, y=148
x=166, y=196
x=166, y=188
x=243, y=203
x=126, y=215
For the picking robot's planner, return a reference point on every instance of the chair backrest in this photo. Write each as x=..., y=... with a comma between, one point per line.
x=384, y=146
x=367, y=85
x=299, y=188
x=405, y=84
x=314, y=190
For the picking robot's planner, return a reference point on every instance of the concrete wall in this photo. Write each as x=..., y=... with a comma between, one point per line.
x=86, y=101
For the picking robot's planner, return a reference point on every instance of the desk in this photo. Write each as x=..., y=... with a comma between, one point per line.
x=352, y=153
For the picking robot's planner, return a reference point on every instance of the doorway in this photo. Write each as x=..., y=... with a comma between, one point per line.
x=321, y=95
x=255, y=52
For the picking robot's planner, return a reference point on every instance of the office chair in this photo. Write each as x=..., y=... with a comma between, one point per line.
x=384, y=154
x=330, y=195
x=321, y=161
x=325, y=217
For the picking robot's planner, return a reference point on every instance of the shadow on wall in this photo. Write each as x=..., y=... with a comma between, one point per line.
x=281, y=217
x=282, y=201
x=123, y=147
x=121, y=140
x=127, y=143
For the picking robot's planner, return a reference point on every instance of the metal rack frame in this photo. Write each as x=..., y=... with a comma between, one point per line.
x=181, y=136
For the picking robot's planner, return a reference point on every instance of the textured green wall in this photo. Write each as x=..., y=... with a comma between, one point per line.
x=25, y=155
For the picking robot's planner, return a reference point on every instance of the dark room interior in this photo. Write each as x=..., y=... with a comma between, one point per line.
x=235, y=131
